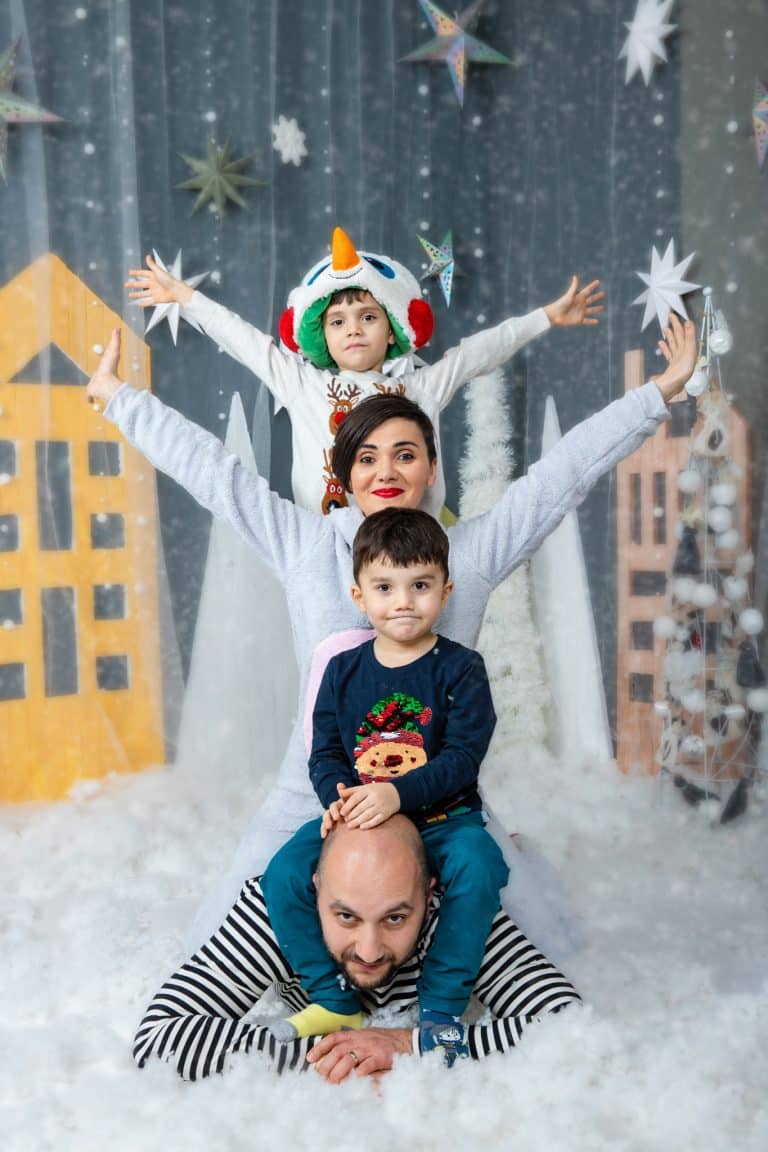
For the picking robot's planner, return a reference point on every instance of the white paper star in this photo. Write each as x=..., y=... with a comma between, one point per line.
x=171, y=312
x=666, y=286
x=646, y=37
x=288, y=140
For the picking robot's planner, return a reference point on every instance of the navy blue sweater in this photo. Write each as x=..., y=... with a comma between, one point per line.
x=423, y=727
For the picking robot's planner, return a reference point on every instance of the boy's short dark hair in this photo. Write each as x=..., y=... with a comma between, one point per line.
x=402, y=537
x=365, y=418
x=348, y=296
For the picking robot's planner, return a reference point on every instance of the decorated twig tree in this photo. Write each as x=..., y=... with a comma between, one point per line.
x=714, y=686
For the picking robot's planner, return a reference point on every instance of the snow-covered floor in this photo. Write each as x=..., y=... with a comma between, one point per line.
x=668, y=913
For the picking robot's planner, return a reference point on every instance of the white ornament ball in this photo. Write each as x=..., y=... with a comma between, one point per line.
x=744, y=564
x=682, y=589
x=698, y=383
x=751, y=621
x=689, y=481
x=721, y=341
x=757, y=699
x=664, y=627
x=734, y=588
x=693, y=701
x=723, y=494
x=727, y=541
x=692, y=746
x=703, y=595
x=720, y=519
x=735, y=711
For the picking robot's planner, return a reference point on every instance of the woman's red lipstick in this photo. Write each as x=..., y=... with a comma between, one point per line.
x=387, y=493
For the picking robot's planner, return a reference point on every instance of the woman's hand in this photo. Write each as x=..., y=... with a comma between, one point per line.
x=368, y=805
x=105, y=381
x=576, y=306
x=153, y=285
x=680, y=352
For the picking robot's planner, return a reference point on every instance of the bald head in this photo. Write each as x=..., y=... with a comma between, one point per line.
x=396, y=841
x=372, y=888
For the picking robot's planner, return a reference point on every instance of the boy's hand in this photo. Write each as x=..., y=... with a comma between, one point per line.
x=576, y=306
x=331, y=817
x=153, y=285
x=680, y=352
x=368, y=805
x=105, y=381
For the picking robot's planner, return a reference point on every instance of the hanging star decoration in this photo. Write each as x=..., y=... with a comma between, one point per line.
x=14, y=110
x=442, y=264
x=760, y=121
x=172, y=312
x=645, y=43
x=665, y=286
x=217, y=178
x=454, y=45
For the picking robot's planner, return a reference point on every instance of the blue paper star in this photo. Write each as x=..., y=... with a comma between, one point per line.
x=454, y=45
x=442, y=264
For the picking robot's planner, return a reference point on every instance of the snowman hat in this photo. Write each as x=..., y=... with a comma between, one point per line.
x=390, y=284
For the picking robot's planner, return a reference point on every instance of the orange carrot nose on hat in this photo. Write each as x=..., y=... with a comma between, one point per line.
x=390, y=284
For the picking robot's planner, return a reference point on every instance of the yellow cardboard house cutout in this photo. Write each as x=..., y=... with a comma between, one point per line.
x=80, y=669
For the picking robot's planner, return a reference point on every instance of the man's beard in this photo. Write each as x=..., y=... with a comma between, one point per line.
x=379, y=981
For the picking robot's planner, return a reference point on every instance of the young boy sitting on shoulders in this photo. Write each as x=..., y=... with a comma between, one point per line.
x=401, y=724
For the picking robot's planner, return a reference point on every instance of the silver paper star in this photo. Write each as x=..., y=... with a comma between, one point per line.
x=645, y=43
x=442, y=264
x=172, y=312
x=666, y=286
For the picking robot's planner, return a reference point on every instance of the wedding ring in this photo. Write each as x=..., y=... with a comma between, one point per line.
x=354, y=1058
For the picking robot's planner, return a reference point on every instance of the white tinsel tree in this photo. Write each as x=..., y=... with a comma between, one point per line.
x=509, y=641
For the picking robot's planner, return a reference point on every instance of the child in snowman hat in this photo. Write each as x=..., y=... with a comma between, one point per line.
x=349, y=332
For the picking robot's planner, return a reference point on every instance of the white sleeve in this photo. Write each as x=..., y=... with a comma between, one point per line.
x=436, y=384
x=278, y=530
x=285, y=375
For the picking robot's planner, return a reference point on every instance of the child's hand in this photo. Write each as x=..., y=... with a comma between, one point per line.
x=368, y=805
x=105, y=381
x=576, y=306
x=331, y=817
x=679, y=350
x=153, y=285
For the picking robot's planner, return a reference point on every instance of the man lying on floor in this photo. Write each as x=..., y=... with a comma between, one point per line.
x=378, y=909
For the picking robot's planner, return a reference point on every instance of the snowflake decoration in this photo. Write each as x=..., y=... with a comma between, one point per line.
x=442, y=264
x=217, y=178
x=171, y=312
x=288, y=139
x=14, y=110
x=666, y=286
x=645, y=42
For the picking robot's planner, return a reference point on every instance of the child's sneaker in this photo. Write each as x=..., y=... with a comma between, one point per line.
x=439, y=1031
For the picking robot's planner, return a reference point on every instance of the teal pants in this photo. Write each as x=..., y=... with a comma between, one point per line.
x=467, y=863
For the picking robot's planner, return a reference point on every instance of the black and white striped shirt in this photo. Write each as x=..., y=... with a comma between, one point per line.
x=197, y=1020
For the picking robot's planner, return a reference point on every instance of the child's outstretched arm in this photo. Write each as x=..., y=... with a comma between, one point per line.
x=576, y=306
x=154, y=285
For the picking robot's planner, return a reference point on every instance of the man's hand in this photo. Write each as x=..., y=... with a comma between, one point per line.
x=368, y=805
x=153, y=285
x=366, y=1052
x=679, y=350
x=331, y=817
x=105, y=381
x=576, y=306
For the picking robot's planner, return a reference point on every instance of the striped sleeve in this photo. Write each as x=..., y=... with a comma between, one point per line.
x=196, y=1019
x=518, y=985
